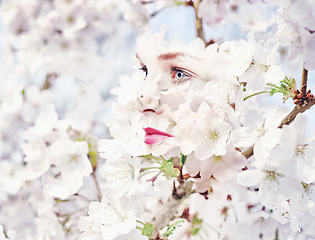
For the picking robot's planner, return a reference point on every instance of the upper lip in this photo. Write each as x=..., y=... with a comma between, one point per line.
x=153, y=136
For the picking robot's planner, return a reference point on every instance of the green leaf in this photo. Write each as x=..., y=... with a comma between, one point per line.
x=287, y=88
x=196, y=225
x=148, y=230
x=183, y=159
x=169, y=170
x=196, y=221
x=171, y=228
x=177, y=2
x=195, y=231
x=272, y=91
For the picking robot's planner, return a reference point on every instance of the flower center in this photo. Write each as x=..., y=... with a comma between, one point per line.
x=216, y=159
x=300, y=149
x=213, y=135
x=121, y=216
x=261, y=131
x=272, y=176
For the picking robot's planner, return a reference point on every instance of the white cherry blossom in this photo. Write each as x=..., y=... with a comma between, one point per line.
x=111, y=218
x=211, y=135
x=121, y=175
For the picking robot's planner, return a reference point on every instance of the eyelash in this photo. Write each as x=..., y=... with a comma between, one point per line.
x=184, y=74
x=144, y=69
x=174, y=71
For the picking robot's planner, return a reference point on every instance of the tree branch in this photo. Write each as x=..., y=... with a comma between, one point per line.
x=169, y=210
x=291, y=116
x=286, y=121
x=296, y=110
x=199, y=28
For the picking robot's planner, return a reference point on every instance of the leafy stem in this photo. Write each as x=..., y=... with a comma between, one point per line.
x=172, y=227
x=252, y=95
x=166, y=166
x=287, y=88
x=148, y=168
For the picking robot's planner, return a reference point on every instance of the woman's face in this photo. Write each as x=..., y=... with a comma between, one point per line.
x=170, y=69
x=171, y=73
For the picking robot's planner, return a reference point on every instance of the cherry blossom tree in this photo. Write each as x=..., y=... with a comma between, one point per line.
x=162, y=119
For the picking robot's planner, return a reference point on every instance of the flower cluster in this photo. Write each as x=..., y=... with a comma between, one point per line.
x=192, y=149
x=64, y=37
x=296, y=32
x=55, y=78
x=183, y=114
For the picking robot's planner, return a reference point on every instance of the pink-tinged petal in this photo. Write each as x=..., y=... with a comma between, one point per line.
x=192, y=165
x=202, y=185
x=154, y=136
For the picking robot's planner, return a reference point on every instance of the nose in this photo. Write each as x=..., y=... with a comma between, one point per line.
x=149, y=104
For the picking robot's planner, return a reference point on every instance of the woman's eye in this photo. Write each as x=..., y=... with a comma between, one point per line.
x=179, y=75
x=144, y=69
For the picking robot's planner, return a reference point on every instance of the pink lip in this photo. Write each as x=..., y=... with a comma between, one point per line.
x=153, y=136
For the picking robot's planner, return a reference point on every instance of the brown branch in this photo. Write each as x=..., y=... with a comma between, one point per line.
x=286, y=121
x=199, y=27
x=296, y=110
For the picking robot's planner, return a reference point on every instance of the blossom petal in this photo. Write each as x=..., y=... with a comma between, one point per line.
x=251, y=177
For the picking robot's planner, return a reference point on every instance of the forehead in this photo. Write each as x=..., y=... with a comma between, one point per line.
x=166, y=56
x=168, y=59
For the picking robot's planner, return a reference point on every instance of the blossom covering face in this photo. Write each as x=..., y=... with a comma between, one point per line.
x=182, y=99
x=187, y=103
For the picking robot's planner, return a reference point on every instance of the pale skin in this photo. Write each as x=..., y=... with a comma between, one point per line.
x=171, y=67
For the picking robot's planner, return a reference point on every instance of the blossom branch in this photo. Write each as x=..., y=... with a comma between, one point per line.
x=291, y=116
x=286, y=121
x=168, y=211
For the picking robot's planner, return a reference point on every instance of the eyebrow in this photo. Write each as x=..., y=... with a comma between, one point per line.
x=137, y=56
x=169, y=56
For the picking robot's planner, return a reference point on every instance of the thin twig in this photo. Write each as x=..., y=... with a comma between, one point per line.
x=277, y=234
x=99, y=194
x=304, y=82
